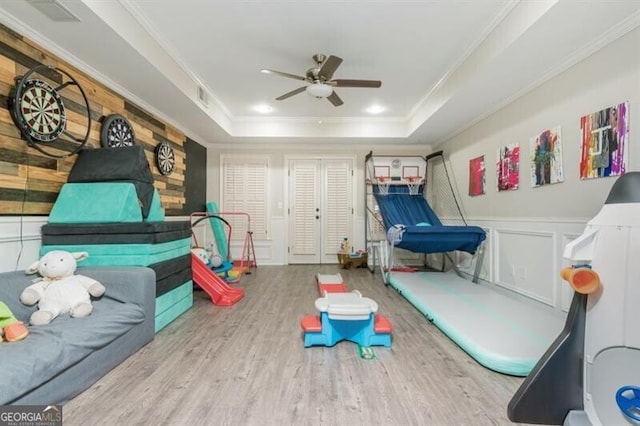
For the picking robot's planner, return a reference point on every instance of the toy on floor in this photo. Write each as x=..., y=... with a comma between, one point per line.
x=344, y=316
x=215, y=259
x=59, y=291
x=220, y=292
x=219, y=259
x=224, y=269
x=10, y=328
x=202, y=255
x=330, y=283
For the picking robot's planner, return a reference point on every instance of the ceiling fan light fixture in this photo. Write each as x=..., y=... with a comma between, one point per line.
x=319, y=90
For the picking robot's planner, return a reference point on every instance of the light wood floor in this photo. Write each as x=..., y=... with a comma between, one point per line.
x=246, y=365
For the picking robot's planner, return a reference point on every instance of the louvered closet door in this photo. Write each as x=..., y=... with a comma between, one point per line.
x=337, y=207
x=320, y=209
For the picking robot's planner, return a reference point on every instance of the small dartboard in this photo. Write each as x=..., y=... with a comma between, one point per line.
x=165, y=158
x=116, y=132
x=41, y=111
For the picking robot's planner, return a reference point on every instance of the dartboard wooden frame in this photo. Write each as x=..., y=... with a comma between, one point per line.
x=116, y=132
x=165, y=158
x=37, y=110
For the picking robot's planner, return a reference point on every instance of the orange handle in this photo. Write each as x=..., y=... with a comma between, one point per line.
x=582, y=280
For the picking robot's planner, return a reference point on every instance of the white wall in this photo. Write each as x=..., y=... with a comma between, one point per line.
x=529, y=227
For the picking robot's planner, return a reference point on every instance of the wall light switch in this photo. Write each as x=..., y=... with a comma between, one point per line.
x=279, y=204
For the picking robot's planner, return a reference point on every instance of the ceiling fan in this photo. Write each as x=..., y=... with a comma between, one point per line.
x=321, y=80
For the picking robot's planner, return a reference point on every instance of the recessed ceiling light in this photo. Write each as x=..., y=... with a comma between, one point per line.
x=375, y=109
x=263, y=109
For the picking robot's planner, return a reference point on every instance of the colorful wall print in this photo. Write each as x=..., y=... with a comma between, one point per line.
x=508, y=167
x=604, y=145
x=476, y=176
x=546, y=158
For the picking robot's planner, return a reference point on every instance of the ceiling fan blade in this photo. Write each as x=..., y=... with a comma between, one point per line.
x=284, y=74
x=291, y=93
x=356, y=83
x=329, y=66
x=335, y=99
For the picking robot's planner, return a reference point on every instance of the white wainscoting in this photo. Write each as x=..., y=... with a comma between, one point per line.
x=525, y=256
x=525, y=262
x=20, y=241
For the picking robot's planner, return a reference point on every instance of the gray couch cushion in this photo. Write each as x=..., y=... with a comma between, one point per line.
x=54, y=347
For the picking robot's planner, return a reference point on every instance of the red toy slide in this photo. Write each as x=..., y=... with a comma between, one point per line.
x=220, y=292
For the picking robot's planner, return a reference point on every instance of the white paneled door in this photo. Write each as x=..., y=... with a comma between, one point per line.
x=320, y=208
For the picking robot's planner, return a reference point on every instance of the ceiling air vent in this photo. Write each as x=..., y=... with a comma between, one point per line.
x=54, y=10
x=203, y=96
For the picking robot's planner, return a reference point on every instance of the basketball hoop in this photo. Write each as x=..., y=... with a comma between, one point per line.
x=383, y=184
x=413, y=183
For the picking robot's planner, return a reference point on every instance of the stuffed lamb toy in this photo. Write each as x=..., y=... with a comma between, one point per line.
x=59, y=291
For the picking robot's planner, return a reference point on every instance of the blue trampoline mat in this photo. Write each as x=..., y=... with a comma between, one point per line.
x=502, y=331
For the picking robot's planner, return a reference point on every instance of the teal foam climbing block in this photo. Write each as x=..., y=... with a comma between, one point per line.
x=171, y=305
x=96, y=202
x=156, y=212
x=126, y=254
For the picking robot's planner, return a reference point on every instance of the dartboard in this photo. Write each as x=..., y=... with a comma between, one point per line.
x=36, y=108
x=116, y=132
x=41, y=111
x=165, y=158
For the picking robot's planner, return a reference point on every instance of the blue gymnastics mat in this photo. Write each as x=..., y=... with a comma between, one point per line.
x=504, y=332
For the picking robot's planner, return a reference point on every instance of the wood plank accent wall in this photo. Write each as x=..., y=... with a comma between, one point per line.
x=29, y=180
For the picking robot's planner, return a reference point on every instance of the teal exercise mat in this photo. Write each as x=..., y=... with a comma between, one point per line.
x=171, y=266
x=126, y=254
x=168, y=283
x=124, y=164
x=156, y=212
x=170, y=298
x=504, y=332
x=171, y=305
x=115, y=233
x=107, y=202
